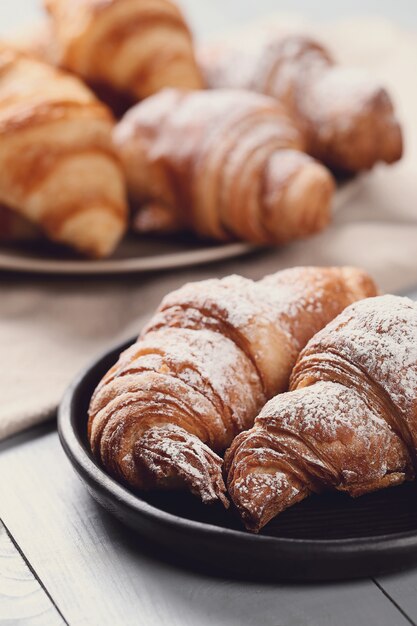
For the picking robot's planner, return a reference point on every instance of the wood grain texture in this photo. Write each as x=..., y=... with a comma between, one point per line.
x=97, y=572
x=22, y=599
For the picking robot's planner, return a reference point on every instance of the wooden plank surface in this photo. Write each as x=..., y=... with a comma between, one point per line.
x=402, y=589
x=22, y=598
x=97, y=572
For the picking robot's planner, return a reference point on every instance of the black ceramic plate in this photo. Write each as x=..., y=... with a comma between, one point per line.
x=325, y=537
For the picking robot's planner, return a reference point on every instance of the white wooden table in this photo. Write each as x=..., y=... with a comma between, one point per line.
x=64, y=560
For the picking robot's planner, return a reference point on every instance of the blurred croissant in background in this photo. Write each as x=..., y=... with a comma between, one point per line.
x=346, y=117
x=58, y=168
x=235, y=161
x=135, y=46
x=223, y=164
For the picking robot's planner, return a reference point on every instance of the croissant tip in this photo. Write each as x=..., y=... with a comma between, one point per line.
x=178, y=458
x=218, y=497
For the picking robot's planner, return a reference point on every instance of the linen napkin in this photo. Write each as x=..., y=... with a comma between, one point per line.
x=52, y=327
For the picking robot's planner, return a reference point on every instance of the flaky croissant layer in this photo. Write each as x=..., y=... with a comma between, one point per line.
x=58, y=167
x=224, y=164
x=349, y=422
x=208, y=360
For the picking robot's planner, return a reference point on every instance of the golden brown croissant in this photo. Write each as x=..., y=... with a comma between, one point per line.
x=58, y=168
x=346, y=117
x=135, y=46
x=222, y=164
x=211, y=356
x=39, y=41
x=349, y=422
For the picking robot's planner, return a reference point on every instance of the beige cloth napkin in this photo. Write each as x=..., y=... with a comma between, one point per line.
x=50, y=328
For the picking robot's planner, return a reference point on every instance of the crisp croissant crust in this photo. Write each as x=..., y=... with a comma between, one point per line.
x=57, y=164
x=349, y=421
x=211, y=356
x=346, y=117
x=223, y=164
x=136, y=46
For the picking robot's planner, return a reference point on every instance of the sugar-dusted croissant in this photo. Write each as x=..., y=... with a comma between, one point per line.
x=222, y=164
x=346, y=117
x=349, y=422
x=58, y=168
x=211, y=356
x=135, y=46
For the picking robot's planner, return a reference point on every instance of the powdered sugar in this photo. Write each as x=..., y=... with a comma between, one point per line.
x=238, y=299
x=172, y=454
x=203, y=354
x=379, y=335
x=325, y=411
x=337, y=90
x=254, y=485
x=278, y=299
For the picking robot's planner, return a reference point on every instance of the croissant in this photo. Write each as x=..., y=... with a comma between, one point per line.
x=222, y=164
x=211, y=356
x=134, y=46
x=58, y=168
x=349, y=422
x=346, y=117
x=38, y=40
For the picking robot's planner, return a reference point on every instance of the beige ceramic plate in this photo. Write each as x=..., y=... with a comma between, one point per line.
x=137, y=254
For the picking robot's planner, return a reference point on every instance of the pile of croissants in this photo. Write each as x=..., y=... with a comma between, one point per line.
x=265, y=392
x=109, y=105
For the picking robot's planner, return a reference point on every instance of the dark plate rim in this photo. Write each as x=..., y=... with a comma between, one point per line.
x=92, y=473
